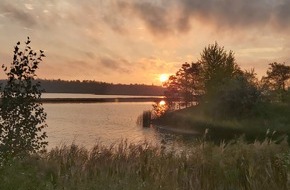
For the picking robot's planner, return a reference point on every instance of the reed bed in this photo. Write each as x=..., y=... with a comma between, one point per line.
x=236, y=165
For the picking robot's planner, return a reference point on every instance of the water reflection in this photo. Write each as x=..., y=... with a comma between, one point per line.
x=176, y=141
x=86, y=124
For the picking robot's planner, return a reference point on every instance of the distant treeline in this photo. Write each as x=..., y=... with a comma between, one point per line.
x=95, y=87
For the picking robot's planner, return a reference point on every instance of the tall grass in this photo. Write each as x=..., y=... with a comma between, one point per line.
x=259, y=165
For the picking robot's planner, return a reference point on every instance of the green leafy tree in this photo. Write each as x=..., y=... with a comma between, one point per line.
x=276, y=80
x=22, y=116
x=228, y=90
x=219, y=66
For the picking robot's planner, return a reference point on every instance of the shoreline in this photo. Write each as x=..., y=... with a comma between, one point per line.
x=99, y=100
x=252, y=128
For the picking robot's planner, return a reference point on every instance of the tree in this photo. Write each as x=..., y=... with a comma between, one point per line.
x=277, y=76
x=219, y=66
x=185, y=85
x=172, y=91
x=237, y=97
x=21, y=113
x=228, y=90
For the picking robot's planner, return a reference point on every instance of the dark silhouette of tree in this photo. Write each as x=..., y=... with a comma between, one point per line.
x=172, y=91
x=22, y=116
x=219, y=66
x=277, y=76
x=189, y=77
x=185, y=85
x=228, y=90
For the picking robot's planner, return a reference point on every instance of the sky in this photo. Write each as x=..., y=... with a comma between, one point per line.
x=134, y=41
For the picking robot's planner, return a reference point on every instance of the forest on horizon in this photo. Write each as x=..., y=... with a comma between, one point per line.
x=96, y=87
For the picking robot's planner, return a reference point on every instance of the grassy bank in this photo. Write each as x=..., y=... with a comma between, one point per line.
x=266, y=120
x=128, y=166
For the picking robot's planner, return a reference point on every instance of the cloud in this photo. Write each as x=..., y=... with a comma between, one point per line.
x=116, y=24
x=161, y=17
x=15, y=13
x=168, y=17
x=119, y=65
x=282, y=13
x=229, y=13
x=154, y=17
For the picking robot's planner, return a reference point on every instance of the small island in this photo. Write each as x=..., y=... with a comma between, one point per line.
x=215, y=96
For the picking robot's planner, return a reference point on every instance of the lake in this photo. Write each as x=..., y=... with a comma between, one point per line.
x=87, y=123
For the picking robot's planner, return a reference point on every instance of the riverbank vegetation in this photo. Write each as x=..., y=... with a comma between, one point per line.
x=220, y=96
x=237, y=165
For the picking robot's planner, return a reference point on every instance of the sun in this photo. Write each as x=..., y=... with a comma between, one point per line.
x=163, y=77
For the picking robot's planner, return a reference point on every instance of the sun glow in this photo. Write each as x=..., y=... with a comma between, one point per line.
x=163, y=77
x=162, y=103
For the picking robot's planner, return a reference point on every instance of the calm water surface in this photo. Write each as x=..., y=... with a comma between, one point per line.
x=87, y=123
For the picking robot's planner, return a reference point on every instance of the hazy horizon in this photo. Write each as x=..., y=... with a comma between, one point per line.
x=133, y=41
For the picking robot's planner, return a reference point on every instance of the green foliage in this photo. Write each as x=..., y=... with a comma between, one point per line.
x=217, y=82
x=22, y=115
x=236, y=97
x=229, y=92
x=219, y=66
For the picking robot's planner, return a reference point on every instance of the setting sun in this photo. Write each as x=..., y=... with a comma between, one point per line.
x=163, y=77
